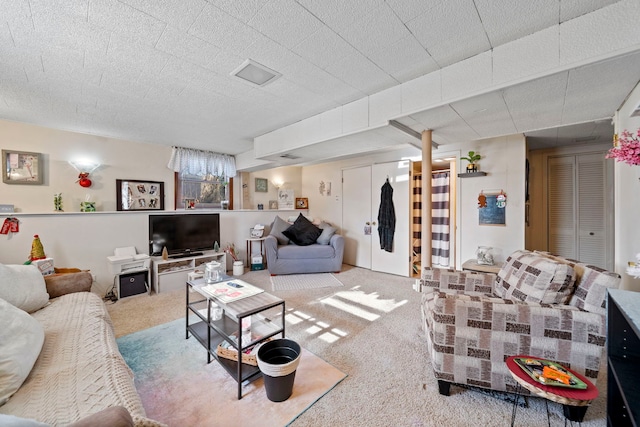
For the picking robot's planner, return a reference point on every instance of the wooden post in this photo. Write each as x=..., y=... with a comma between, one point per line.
x=425, y=258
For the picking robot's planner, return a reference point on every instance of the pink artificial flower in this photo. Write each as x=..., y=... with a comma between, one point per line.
x=626, y=148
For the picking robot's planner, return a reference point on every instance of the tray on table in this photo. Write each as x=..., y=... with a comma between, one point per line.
x=533, y=368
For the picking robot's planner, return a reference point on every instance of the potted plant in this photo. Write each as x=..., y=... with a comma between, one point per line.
x=472, y=158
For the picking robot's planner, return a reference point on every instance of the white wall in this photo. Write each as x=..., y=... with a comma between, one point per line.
x=290, y=176
x=503, y=160
x=84, y=240
x=627, y=198
x=119, y=159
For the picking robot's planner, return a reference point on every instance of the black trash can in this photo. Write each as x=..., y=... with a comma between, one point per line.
x=278, y=361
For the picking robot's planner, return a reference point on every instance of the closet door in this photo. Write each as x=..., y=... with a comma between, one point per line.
x=578, y=198
x=356, y=214
x=561, y=206
x=398, y=261
x=361, y=189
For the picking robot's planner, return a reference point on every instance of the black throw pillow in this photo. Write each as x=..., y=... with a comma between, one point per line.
x=302, y=232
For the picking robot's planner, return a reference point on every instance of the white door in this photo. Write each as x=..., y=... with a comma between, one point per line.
x=356, y=214
x=398, y=260
x=361, y=189
x=578, y=197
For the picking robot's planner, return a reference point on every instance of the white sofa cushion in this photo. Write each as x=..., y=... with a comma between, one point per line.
x=22, y=337
x=23, y=286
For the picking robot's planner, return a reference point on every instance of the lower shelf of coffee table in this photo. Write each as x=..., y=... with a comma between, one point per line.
x=199, y=331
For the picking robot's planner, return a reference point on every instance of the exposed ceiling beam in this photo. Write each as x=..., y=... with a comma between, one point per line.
x=417, y=135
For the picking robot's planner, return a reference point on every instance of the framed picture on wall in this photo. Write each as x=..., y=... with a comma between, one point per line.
x=302, y=203
x=262, y=185
x=273, y=204
x=286, y=200
x=134, y=195
x=22, y=167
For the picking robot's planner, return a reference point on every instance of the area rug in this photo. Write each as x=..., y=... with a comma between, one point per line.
x=290, y=282
x=179, y=388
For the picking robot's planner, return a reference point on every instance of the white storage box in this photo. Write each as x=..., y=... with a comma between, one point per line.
x=44, y=265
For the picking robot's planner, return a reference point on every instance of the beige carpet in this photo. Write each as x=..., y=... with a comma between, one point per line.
x=290, y=282
x=371, y=330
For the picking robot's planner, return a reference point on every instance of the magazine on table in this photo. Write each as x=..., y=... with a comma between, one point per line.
x=231, y=290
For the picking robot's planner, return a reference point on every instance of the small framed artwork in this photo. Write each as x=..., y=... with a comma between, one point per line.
x=273, y=204
x=302, y=203
x=21, y=167
x=134, y=195
x=262, y=185
x=493, y=213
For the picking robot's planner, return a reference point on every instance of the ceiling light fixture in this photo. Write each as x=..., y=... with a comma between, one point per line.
x=255, y=73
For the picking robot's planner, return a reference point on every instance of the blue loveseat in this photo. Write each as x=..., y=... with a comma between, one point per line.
x=294, y=259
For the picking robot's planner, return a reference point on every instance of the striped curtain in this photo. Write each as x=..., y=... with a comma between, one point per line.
x=440, y=219
x=416, y=224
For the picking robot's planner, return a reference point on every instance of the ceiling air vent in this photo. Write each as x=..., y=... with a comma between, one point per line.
x=255, y=73
x=290, y=156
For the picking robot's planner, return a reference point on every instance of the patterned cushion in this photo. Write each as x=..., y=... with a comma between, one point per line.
x=592, y=284
x=453, y=280
x=531, y=277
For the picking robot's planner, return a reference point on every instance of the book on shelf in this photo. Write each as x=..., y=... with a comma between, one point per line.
x=231, y=290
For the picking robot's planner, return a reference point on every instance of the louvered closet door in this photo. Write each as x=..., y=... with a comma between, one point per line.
x=577, y=207
x=591, y=204
x=561, y=206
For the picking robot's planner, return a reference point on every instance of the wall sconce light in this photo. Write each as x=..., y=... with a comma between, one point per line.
x=84, y=168
x=277, y=183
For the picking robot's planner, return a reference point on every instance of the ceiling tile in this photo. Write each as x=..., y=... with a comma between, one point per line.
x=243, y=10
x=585, y=83
x=451, y=32
x=504, y=24
x=409, y=9
x=486, y=114
x=188, y=47
x=223, y=30
x=355, y=70
x=285, y=22
x=324, y=47
x=445, y=123
x=124, y=19
x=405, y=59
x=179, y=14
x=570, y=9
x=339, y=14
x=537, y=104
x=376, y=30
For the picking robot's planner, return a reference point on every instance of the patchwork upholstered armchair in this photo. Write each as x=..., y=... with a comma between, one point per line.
x=538, y=304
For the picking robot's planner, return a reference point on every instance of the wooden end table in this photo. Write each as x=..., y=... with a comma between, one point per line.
x=575, y=402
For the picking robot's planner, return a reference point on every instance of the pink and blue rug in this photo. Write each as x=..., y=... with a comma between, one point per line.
x=179, y=388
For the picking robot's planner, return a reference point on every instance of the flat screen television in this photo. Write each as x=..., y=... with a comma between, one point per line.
x=183, y=234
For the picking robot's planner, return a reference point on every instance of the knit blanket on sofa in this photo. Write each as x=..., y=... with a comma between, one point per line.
x=79, y=370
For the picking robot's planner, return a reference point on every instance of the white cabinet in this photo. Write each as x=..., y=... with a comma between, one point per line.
x=171, y=274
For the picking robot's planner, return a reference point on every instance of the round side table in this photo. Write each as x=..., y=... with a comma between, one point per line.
x=574, y=401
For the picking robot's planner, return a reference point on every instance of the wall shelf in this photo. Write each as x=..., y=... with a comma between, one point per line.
x=471, y=174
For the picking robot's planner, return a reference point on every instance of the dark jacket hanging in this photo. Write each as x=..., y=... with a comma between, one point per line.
x=386, y=218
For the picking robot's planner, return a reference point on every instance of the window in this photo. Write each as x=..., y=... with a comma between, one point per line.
x=205, y=192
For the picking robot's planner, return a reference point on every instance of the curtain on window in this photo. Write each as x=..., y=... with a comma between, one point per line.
x=201, y=163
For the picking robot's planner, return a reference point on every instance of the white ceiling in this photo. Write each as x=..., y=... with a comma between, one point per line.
x=157, y=71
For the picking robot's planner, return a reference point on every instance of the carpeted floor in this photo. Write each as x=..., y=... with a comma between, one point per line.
x=290, y=282
x=370, y=329
x=179, y=388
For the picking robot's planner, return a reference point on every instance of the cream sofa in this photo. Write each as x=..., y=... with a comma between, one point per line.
x=538, y=304
x=78, y=377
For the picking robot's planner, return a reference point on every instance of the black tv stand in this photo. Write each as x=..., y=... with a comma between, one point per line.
x=185, y=255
